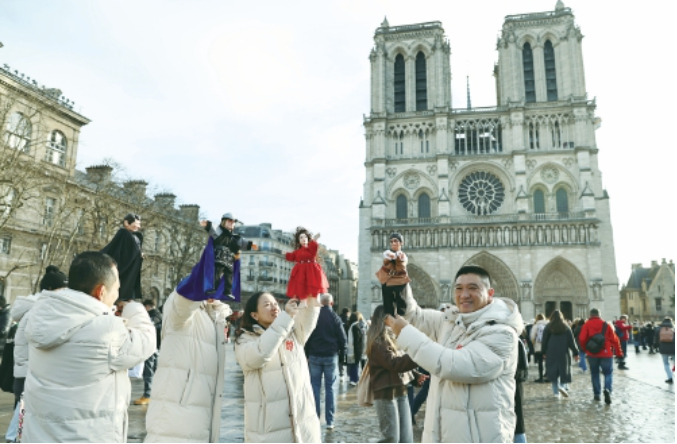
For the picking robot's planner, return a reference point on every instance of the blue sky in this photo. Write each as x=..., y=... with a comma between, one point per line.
x=256, y=107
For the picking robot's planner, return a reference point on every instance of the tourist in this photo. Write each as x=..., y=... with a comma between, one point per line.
x=471, y=354
x=602, y=359
x=536, y=337
x=326, y=342
x=582, y=362
x=622, y=329
x=357, y=341
x=665, y=344
x=150, y=366
x=278, y=398
x=77, y=389
x=390, y=372
x=557, y=341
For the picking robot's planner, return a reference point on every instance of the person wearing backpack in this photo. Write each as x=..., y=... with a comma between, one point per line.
x=599, y=341
x=537, y=339
x=665, y=344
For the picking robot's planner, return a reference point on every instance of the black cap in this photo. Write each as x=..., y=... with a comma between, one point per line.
x=53, y=279
x=397, y=236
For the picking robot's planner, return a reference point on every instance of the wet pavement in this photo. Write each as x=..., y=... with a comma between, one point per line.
x=643, y=409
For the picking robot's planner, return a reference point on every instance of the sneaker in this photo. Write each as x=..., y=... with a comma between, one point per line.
x=142, y=401
x=563, y=392
x=330, y=426
x=669, y=381
x=607, y=397
x=623, y=367
x=353, y=383
x=596, y=398
x=556, y=395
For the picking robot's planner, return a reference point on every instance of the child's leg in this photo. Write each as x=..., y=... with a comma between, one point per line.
x=388, y=300
x=398, y=295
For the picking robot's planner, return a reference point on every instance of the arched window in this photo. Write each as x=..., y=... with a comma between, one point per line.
x=528, y=66
x=550, y=74
x=56, y=148
x=399, y=84
x=423, y=206
x=402, y=206
x=534, y=134
x=19, y=130
x=421, y=88
x=562, y=199
x=539, y=202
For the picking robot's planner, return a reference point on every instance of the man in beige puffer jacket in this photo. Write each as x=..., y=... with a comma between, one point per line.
x=471, y=354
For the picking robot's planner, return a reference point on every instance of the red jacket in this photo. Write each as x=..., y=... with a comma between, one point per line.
x=611, y=344
x=625, y=328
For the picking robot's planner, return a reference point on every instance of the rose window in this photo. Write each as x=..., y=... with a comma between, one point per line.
x=481, y=193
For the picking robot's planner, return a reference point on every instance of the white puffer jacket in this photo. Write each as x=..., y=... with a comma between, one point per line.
x=77, y=388
x=472, y=359
x=19, y=309
x=185, y=401
x=279, y=402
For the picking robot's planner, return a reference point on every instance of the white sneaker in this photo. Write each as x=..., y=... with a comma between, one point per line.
x=353, y=383
x=330, y=426
x=563, y=392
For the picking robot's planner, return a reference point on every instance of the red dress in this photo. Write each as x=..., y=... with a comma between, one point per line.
x=307, y=277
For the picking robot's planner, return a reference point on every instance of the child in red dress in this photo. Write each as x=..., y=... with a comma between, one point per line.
x=307, y=278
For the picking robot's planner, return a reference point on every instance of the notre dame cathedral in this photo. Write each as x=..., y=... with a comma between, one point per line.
x=514, y=188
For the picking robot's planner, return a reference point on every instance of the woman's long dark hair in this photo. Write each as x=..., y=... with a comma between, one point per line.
x=299, y=231
x=252, y=306
x=557, y=325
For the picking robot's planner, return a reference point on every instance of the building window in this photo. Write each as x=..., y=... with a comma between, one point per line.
x=562, y=198
x=534, y=141
x=528, y=66
x=50, y=208
x=424, y=206
x=2, y=287
x=421, y=88
x=102, y=227
x=401, y=206
x=56, y=148
x=19, y=130
x=659, y=304
x=477, y=136
x=539, y=202
x=481, y=193
x=550, y=74
x=556, y=136
x=632, y=311
x=399, y=84
x=5, y=245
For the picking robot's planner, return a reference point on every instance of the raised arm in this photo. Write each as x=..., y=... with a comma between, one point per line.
x=306, y=320
x=291, y=257
x=178, y=310
x=427, y=321
x=135, y=341
x=253, y=353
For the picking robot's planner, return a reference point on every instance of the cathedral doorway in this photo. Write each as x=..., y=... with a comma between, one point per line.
x=423, y=287
x=502, y=279
x=560, y=286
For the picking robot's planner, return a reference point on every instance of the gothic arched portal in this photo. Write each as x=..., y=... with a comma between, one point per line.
x=560, y=285
x=502, y=279
x=423, y=287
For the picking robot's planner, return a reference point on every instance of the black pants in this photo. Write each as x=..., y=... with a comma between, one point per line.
x=539, y=361
x=18, y=389
x=393, y=300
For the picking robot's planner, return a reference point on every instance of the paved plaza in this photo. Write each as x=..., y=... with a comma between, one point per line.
x=643, y=409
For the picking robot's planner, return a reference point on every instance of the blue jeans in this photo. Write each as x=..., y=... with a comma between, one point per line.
x=149, y=369
x=421, y=397
x=581, y=361
x=607, y=366
x=394, y=419
x=326, y=366
x=520, y=437
x=667, y=366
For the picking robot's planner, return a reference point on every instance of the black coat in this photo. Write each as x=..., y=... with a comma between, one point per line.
x=127, y=253
x=557, y=358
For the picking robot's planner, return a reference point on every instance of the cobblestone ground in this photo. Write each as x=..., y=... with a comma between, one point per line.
x=643, y=409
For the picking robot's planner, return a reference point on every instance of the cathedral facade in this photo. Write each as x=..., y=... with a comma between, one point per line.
x=514, y=188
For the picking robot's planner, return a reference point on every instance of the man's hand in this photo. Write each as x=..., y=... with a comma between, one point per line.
x=422, y=378
x=396, y=324
x=292, y=307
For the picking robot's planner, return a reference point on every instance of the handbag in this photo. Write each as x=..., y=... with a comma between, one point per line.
x=365, y=395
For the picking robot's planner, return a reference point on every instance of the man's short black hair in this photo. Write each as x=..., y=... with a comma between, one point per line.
x=475, y=269
x=149, y=303
x=130, y=218
x=594, y=312
x=90, y=269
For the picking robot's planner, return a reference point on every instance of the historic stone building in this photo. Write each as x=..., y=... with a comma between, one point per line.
x=514, y=188
x=649, y=294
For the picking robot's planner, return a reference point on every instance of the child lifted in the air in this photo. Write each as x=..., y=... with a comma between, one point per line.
x=393, y=276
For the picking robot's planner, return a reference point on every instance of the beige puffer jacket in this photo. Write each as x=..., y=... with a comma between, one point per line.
x=538, y=326
x=471, y=358
x=185, y=402
x=77, y=388
x=279, y=402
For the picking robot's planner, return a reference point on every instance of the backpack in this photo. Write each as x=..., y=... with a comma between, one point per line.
x=596, y=342
x=522, y=372
x=539, y=332
x=666, y=334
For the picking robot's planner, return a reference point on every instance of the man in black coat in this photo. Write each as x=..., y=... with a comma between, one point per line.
x=126, y=250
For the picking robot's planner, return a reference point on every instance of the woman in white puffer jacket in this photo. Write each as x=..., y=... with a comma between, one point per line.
x=185, y=401
x=279, y=401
